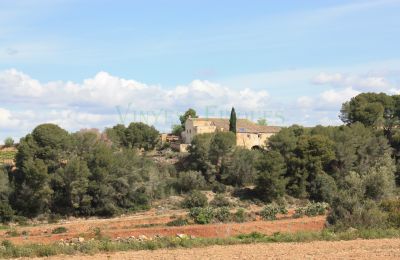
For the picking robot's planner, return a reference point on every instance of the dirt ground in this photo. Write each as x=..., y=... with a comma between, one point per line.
x=355, y=249
x=152, y=223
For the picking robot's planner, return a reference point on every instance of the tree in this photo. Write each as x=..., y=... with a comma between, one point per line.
x=239, y=168
x=271, y=182
x=189, y=113
x=140, y=135
x=371, y=109
x=177, y=130
x=222, y=146
x=70, y=185
x=232, y=121
x=262, y=121
x=8, y=142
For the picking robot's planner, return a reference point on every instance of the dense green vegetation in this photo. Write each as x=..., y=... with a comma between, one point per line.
x=352, y=167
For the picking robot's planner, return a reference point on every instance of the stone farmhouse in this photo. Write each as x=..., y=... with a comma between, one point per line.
x=248, y=134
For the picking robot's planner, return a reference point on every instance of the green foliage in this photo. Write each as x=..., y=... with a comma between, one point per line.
x=189, y=113
x=8, y=142
x=190, y=180
x=178, y=222
x=271, y=183
x=222, y=214
x=209, y=151
x=239, y=169
x=59, y=230
x=140, y=135
x=220, y=201
x=315, y=209
x=392, y=209
x=270, y=211
x=202, y=215
x=240, y=215
x=232, y=121
x=6, y=212
x=177, y=130
x=194, y=199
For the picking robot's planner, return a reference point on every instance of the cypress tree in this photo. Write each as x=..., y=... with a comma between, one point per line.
x=232, y=121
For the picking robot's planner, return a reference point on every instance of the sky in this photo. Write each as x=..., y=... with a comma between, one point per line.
x=95, y=64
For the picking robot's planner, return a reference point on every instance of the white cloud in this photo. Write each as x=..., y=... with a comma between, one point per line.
x=357, y=82
x=337, y=97
x=7, y=120
x=94, y=101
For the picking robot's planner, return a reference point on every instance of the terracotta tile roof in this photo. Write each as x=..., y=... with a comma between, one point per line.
x=242, y=125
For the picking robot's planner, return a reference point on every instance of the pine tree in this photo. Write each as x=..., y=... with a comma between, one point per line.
x=232, y=121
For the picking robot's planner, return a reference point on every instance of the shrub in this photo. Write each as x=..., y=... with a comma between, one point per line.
x=270, y=211
x=178, y=222
x=21, y=220
x=12, y=233
x=190, y=180
x=315, y=209
x=202, y=215
x=299, y=212
x=59, y=230
x=195, y=199
x=218, y=187
x=222, y=214
x=8, y=142
x=240, y=216
x=392, y=208
x=53, y=218
x=6, y=212
x=220, y=201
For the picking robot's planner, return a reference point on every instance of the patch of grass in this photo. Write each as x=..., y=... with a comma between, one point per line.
x=178, y=222
x=12, y=233
x=59, y=230
x=9, y=250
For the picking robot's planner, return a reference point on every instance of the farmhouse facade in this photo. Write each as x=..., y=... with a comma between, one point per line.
x=248, y=134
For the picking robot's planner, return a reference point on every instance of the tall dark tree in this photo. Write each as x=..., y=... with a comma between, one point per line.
x=232, y=121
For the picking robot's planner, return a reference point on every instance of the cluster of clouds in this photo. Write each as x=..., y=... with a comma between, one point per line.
x=343, y=87
x=105, y=100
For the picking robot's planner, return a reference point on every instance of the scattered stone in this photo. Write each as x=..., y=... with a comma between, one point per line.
x=81, y=239
x=182, y=236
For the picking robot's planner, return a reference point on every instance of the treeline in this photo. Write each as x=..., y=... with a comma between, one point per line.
x=84, y=173
x=352, y=167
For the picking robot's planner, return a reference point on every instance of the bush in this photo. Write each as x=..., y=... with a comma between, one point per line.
x=53, y=218
x=218, y=187
x=392, y=208
x=59, y=230
x=8, y=142
x=240, y=216
x=6, y=212
x=222, y=214
x=190, y=180
x=299, y=212
x=315, y=209
x=202, y=215
x=270, y=211
x=178, y=222
x=195, y=199
x=220, y=201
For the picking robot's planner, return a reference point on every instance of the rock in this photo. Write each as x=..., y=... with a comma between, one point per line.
x=182, y=236
x=81, y=239
x=352, y=230
x=142, y=238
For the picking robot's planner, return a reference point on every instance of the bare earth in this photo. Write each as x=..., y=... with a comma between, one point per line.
x=356, y=249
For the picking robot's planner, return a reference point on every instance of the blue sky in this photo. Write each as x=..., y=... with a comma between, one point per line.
x=74, y=62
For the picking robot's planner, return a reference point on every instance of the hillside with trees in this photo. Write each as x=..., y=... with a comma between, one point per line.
x=352, y=167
